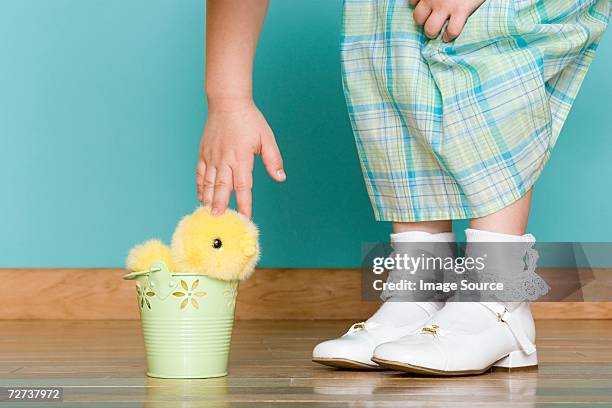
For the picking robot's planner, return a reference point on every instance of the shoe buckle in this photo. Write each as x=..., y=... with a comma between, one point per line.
x=356, y=327
x=432, y=330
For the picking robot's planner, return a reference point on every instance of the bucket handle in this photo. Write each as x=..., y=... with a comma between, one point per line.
x=159, y=279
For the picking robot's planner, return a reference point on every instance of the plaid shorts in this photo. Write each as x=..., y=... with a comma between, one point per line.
x=462, y=129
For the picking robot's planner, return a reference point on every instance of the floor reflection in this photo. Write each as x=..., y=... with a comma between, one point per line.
x=196, y=393
x=500, y=388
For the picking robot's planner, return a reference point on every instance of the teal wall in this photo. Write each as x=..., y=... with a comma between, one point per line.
x=102, y=107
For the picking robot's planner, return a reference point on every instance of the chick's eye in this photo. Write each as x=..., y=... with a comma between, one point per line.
x=217, y=243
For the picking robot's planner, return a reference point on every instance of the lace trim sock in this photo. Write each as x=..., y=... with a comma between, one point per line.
x=512, y=263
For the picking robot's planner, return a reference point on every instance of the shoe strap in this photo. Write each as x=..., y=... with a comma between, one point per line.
x=512, y=320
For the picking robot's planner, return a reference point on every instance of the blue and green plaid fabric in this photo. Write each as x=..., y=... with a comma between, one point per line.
x=462, y=129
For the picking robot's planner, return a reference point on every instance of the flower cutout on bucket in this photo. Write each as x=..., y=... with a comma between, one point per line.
x=190, y=295
x=230, y=294
x=143, y=294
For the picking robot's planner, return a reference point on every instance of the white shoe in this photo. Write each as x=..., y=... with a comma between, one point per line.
x=355, y=348
x=443, y=348
x=394, y=319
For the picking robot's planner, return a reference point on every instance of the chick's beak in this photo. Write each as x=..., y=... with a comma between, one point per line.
x=248, y=246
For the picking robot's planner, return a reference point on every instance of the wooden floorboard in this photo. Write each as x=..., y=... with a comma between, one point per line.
x=272, y=293
x=102, y=363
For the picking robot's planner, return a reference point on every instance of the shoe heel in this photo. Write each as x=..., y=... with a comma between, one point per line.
x=517, y=360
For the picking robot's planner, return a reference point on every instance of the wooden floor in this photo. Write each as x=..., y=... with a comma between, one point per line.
x=101, y=363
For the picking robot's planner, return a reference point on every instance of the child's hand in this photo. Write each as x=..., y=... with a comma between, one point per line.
x=432, y=14
x=235, y=132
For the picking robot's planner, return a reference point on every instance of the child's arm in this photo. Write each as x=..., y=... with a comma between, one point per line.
x=236, y=130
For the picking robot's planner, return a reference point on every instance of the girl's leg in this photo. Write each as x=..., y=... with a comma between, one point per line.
x=501, y=236
x=511, y=220
x=432, y=227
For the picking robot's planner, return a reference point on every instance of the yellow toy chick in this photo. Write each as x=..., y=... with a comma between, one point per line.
x=224, y=247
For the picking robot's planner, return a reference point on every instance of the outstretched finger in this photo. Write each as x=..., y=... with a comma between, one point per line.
x=223, y=190
x=200, y=171
x=243, y=186
x=272, y=159
x=208, y=189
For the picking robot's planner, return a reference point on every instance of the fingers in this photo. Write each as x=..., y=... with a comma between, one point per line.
x=272, y=158
x=200, y=170
x=454, y=27
x=222, y=190
x=208, y=189
x=421, y=13
x=243, y=185
x=218, y=184
x=434, y=23
x=432, y=15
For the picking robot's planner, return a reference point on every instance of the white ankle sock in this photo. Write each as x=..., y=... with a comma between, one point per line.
x=502, y=260
x=474, y=235
x=397, y=314
x=472, y=317
x=422, y=236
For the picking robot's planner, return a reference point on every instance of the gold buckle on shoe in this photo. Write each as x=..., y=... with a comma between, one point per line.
x=432, y=330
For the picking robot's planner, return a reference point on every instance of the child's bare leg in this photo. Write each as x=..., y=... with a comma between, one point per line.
x=432, y=227
x=511, y=220
x=505, y=226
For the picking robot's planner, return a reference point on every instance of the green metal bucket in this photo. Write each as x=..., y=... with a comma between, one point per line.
x=187, y=322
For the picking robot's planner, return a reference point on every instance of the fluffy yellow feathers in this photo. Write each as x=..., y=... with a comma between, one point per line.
x=143, y=255
x=224, y=247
